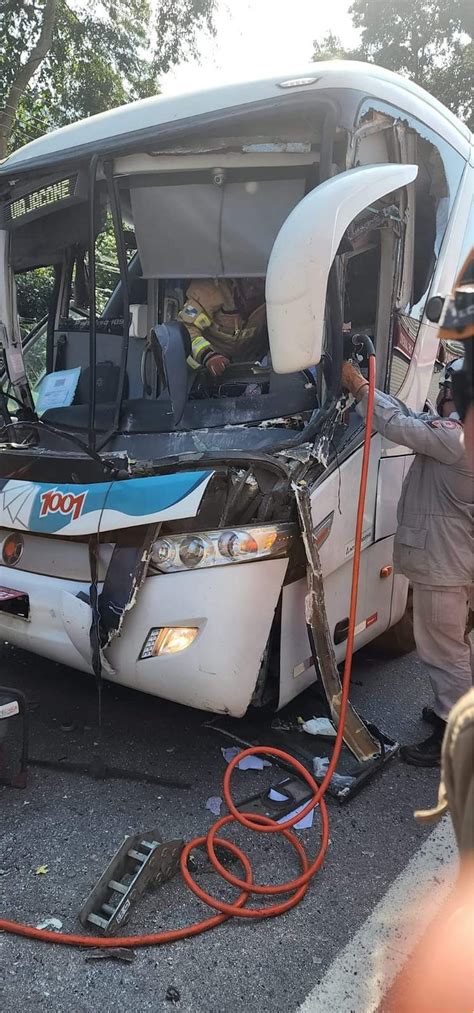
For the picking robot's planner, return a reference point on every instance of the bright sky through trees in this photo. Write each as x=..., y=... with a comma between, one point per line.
x=257, y=37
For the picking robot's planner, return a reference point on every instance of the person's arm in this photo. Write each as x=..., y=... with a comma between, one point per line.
x=425, y=434
x=197, y=321
x=353, y=380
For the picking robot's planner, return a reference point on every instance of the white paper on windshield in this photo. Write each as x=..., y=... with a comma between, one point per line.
x=57, y=390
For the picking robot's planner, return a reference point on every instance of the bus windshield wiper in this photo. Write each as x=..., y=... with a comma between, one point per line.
x=38, y=425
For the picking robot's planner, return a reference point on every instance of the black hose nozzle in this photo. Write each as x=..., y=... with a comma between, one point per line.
x=363, y=341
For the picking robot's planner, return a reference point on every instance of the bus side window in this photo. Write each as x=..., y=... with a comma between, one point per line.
x=35, y=360
x=34, y=290
x=33, y=293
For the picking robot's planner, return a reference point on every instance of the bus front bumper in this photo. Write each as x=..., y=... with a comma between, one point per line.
x=231, y=606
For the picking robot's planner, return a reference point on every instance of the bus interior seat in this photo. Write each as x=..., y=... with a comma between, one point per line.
x=285, y=394
x=107, y=384
x=73, y=350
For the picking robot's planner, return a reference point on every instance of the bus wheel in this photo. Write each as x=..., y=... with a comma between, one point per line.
x=399, y=639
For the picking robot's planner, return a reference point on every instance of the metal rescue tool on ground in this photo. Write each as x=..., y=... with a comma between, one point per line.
x=142, y=861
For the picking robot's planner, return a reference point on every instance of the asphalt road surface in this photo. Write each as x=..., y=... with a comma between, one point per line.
x=72, y=825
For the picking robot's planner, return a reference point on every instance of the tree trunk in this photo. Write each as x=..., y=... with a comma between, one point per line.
x=25, y=73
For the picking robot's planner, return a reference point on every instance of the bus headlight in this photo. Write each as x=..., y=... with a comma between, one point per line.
x=192, y=551
x=168, y=640
x=199, y=549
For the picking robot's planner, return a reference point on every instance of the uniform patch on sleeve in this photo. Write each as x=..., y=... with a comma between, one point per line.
x=189, y=312
x=444, y=424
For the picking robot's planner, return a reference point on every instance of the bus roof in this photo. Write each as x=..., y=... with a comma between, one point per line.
x=162, y=116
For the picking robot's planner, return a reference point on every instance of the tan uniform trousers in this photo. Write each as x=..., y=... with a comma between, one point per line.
x=439, y=620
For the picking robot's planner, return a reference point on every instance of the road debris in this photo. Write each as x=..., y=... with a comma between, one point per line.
x=50, y=923
x=288, y=797
x=67, y=726
x=319, y=726
x=112, y=953
x=99, y=771
x=305, y=824
x=41, y=870
x=172, y=994
x=248, y=762
x=214, y=804
x=340, y=781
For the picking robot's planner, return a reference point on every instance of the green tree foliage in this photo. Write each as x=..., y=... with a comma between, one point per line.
x=107, y=265
x=97, y=55
x=413, y=36
x=453, y=83
x=34, y=290
x=61, y=60
x=429, y=41
x=331, y=48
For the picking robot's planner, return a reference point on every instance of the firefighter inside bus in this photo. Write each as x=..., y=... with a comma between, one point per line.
x=226, y=321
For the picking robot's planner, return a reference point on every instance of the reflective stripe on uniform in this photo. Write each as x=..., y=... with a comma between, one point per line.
x=202, y=320
x=200, y=345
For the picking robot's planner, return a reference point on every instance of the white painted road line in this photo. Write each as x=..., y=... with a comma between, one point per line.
x=364, y=970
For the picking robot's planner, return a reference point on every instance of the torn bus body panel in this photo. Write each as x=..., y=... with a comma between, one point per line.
x=356, y=734
x=125, y=575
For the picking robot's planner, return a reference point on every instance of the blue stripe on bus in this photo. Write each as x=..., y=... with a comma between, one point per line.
x=49, y=508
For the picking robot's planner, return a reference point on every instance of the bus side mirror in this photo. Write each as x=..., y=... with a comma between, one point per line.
x=302, y=255
x=434, y=308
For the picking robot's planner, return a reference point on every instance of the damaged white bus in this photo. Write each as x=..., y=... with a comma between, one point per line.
x=148, y=528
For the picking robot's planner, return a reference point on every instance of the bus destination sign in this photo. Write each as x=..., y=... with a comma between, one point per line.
x=40, y=198
x=51, y=196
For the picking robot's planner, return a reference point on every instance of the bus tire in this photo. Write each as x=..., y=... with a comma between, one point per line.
x=399, y=639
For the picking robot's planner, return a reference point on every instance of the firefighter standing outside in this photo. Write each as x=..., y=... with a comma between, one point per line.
x=226, y=321
x=433, y=543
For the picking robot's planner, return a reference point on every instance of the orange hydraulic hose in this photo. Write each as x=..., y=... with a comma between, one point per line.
x=262, y=824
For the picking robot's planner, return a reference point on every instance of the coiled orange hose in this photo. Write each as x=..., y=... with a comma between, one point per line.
x=261, y=824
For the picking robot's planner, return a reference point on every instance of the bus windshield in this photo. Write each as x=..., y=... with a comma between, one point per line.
x=151, y=272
